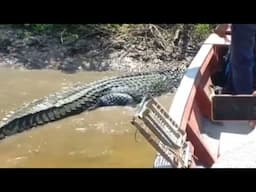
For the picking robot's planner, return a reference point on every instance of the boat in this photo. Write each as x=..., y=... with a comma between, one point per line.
x=213, y=144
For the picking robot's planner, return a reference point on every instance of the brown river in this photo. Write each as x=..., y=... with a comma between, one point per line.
x=103, y=138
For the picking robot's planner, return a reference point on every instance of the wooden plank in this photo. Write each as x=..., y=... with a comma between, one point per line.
x=233, y=107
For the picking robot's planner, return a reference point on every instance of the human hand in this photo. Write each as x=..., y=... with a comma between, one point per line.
x=221, y=30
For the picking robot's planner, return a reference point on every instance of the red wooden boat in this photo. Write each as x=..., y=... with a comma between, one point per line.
x=214, y=144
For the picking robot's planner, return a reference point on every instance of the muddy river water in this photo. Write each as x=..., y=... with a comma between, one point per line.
x=103, y=138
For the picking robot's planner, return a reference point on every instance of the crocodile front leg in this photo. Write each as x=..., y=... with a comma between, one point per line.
x=113, y=99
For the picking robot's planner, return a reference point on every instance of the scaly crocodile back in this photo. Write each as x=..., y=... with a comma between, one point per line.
x=86, y=97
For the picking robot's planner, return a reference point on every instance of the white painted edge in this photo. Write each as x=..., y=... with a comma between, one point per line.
x=181, y=97
x=217, y=40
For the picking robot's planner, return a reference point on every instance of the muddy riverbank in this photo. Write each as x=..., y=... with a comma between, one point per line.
x=147, y=48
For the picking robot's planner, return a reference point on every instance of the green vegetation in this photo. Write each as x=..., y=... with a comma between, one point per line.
x=42, y=27
x=159, y=36
x=199, y=30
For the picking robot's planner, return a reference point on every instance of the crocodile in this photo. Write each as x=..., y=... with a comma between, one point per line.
x=126, y=89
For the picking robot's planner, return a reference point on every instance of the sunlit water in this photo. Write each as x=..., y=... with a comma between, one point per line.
x=100, y=138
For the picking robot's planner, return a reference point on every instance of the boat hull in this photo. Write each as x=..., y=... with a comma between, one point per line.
x=192, y=105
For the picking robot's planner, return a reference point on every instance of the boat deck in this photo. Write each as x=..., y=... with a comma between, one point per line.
x=225, y=138
x=233, y=143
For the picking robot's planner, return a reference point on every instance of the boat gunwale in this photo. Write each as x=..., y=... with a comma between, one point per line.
x=183, y=93
x=182, y=108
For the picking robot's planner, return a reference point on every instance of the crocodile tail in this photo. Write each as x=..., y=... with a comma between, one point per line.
x=43, y=117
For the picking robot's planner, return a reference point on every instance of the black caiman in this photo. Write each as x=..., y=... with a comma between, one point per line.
x=120, y=90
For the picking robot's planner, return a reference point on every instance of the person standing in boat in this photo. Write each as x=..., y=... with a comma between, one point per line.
x=243, y=38
x=242, y=56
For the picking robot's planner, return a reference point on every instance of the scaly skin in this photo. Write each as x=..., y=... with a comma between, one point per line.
x=121, y=90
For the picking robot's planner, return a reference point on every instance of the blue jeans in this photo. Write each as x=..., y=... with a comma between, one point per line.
x=242, y=57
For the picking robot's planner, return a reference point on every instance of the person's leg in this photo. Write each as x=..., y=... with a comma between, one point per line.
x=228, y=87
x=243, y=38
